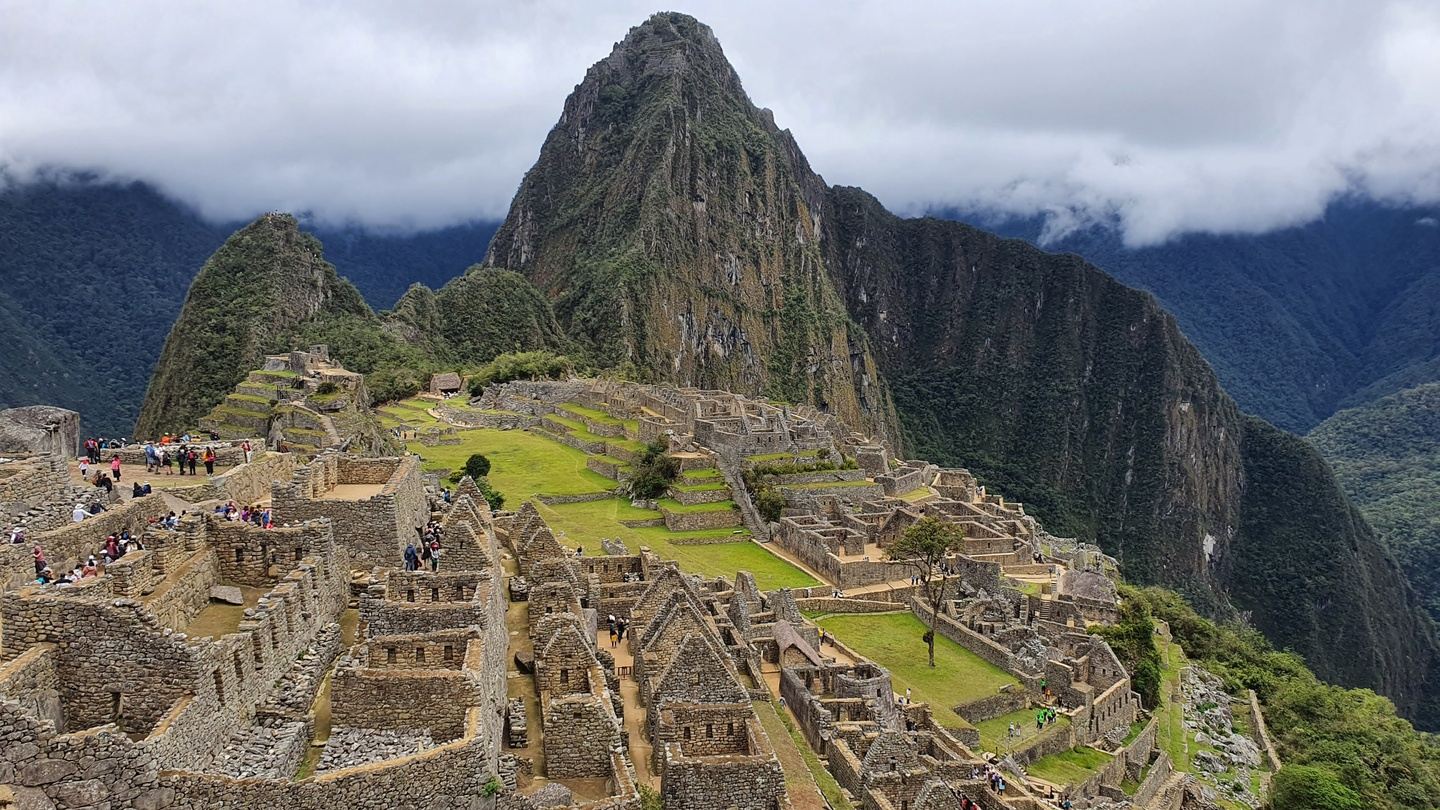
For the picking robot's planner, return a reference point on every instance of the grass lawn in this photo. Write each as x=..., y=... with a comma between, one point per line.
x=894, y=641
x=994, y=733
x=1171, y=736
x=1069, y=767
x=584, y=524
x=522, y=464
x=706, y=486
x=672, y=505
x=917, y=494
x=590, y=413
x=764, y=457
x=706, y=474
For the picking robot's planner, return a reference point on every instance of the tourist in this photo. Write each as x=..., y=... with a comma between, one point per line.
x=136, y=490
x=91, y=568
x=39, y=554
x=445, y=494
x=209, y=460
x=247, y=450
x=192, y=457
x=44, y=576
x=907, y=696
x=95, y=507
x=167, y=461
x=17, y=534
x=165, y=440
x=412, y=560
x=145, y=488
x=579, y=551
x=620, y=629
x=265, y=518
x=435, y=554
x=79, y=514
x=614, y=639
x=84, y=466
x=112, y=549
x=115, y=466
x=823, y=638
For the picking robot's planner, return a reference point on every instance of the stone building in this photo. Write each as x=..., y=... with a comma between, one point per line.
x=376, y=504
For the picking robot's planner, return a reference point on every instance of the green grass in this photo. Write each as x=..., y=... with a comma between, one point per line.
x=522, y=464
x=1069, y=767
x=259, y=400
x=778, y=727
x=1023, y=586
x=709, y=486
x=584, y=524
x=916, y=494
x=706, y=474
x=994, y=732
x=590, y=413
x=1171, y=736
x=764, y=457
x=284, y=373
x=672, y=505
x=894, y=641
x=829, y=484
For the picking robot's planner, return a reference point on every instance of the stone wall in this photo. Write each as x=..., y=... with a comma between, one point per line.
x=40, y=429
x=754, y=782
x=967, y=638
x=249, y=555
x=435, y=701
x=32, y=681
x=374, y=529
x=580, y=732
x=185, y=591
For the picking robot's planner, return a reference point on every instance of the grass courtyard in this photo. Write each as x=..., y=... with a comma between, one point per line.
x=1069, y=767
x=994, y=733
x=895, y=641
x=525, y=464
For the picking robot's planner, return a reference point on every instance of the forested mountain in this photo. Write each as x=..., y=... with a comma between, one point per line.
x=92, y=276
x=1386, y=454
x=1297, y=322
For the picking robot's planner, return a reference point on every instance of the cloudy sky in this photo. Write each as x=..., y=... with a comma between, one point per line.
x=1162, y=117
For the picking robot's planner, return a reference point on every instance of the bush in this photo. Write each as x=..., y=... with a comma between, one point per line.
x=653, y=474
x=327, y=387
x=770, y=503
x=491, y=495
x=477, y=466
x=1303, y=787
x=537, y=365
x=390, y=384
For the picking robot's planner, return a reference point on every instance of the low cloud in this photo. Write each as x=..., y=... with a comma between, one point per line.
x=1159, y=118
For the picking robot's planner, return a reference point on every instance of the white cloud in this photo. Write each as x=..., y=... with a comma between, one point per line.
x=1164, y=117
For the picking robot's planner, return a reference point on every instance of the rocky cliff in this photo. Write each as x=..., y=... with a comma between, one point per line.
x=678, y=231
x=262, y=284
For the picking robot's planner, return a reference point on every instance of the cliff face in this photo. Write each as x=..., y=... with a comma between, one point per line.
x=678, y=232
x=1053, y=382
x=264, y=282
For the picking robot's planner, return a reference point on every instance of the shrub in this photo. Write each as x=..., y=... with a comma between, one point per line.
x=652, y=475
x=327, y=387
x=537, y=365
x=770, y=503
x=477, y=466
x=390, y=384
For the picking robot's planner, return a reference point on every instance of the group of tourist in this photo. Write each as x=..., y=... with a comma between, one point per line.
x=617, y=630
x=186, y=456
x=115, y=546
x=256, y=515
x=426, y=553
x=993, y=776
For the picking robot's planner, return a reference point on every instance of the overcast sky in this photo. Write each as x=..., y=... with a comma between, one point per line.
x=1162, y=116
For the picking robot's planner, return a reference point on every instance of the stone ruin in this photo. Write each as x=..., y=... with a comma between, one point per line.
x=136, y=688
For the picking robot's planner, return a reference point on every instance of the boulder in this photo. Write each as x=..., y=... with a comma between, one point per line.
x=553, y=794
x=229, y=594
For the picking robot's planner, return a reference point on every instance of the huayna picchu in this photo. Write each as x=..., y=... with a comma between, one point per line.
x=710, y=486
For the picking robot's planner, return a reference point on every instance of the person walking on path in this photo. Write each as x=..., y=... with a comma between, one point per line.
x=412, y=560
x=115, y=466
x=192, y=457
x=209, y=460
x=85, y=467
x=247, y=450
x=435, y=554
x=39, y=554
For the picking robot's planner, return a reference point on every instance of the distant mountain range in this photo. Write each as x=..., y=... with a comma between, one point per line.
x=92, y=276
x=1298, y=322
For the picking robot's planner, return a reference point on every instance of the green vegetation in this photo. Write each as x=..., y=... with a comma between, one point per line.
x=1069, y=767
x=922, y=548
x=1133, y=640
x=995, y=732
x=889, y=639
x=523, y=464
x=703, y=474
x=672, y=505
x=486, y=314
x=1387, y=457
x=533, y=365
x=477, y=465
x=1353, y=735
x=652, y=473
x=589, y=413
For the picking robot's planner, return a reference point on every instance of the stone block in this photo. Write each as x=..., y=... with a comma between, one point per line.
x=229, y=594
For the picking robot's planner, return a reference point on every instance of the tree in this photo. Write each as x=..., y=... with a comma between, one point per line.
x=477, y=466
x=491, y=495
x=1301, y=787
x=653, y=473
x=923, y=548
